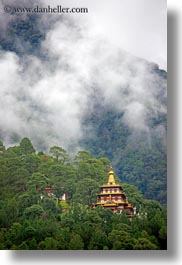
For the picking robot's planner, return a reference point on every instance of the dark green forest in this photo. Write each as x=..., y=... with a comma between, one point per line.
x=139, y=159
x=31, y=218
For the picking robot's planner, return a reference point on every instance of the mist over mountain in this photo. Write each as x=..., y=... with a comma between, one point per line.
x=64, y=84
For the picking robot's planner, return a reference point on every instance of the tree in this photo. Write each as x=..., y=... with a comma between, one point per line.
x=49, y=243
x=34, y=211
x=134, y=194
x=63, y=238
x=2, y=147
x=76, y=242
x=26, y=146
x=59, y=154
x=2, y=240
x=121, y=239
x=85, y=230
x=144, y=244
x=98, y=240
x=91, y=168
x=86, y=190
x=31, y=163
x=82, y=156
x=16, y=233
x=11, y=210
x=23, y=246
x=37, y=180
x=150, y=207
x=163, y=237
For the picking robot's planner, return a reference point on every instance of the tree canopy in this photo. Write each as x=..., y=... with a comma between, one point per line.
x=46, y=203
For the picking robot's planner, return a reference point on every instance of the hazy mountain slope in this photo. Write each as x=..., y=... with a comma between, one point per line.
x=63, y=84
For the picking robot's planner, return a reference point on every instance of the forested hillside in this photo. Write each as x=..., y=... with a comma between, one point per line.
x=139, y=158
x=32, y=218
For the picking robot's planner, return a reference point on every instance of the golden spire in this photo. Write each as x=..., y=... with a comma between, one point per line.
x=111, y=180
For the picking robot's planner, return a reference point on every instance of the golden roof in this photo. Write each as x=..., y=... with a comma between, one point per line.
x=111, y=180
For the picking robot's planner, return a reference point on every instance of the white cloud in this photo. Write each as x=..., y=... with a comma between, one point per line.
x=137, y=26
x=46, y=100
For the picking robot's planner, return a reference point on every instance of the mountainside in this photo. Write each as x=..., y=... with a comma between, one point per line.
x=139, y=157
x=136, y=160
x=35, y=215
x=70, y=87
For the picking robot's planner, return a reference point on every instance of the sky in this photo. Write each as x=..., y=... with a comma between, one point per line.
x=47, y=91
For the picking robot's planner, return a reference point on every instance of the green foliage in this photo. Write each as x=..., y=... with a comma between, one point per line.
x=121, y=239
x=139, y=158
x=32, y=217
x=133, y=193
x=86, y=191
x=2, y=147
x=76, y=242
x=47, y=244
x=144, y=244
x=98, y=240
x=33, y=212
x=59, y=154
x=81, y=156
x=26, y=146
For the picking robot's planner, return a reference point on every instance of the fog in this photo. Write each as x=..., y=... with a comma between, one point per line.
x=45, y=95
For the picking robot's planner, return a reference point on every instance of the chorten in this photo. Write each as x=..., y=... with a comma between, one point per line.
x=112, y=197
